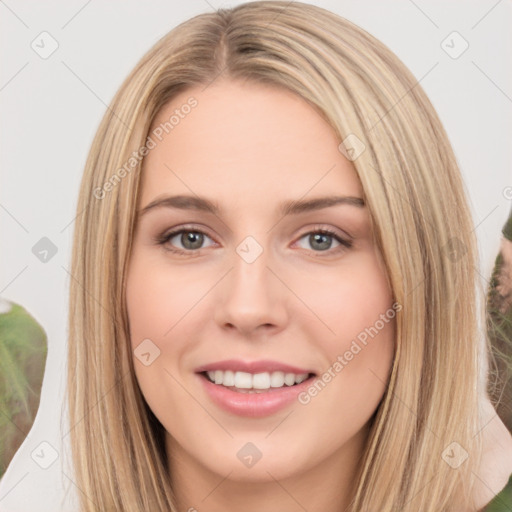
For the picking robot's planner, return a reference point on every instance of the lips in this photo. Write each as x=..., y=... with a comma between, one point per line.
x=253, y=389
x=252, y=367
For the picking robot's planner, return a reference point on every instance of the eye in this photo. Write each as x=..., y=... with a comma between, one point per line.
x=189, y=240
x=321, y=240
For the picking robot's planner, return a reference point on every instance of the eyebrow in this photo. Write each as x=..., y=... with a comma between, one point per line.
x=293, y=207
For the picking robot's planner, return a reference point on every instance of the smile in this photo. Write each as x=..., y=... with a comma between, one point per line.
x=245, y=382
x=253, y=389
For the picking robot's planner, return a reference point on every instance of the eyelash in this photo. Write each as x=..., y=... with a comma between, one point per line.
x=166, y=237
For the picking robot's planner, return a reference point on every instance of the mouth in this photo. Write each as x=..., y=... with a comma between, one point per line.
x=264, y=382
x=254, y=395
x=253, y=389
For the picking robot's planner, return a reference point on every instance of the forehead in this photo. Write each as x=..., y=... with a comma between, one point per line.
x=245, y=140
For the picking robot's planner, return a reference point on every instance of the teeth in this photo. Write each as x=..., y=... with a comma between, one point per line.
x=243, y=380
x=265, y=380
x=277, y=380
x=261, y=381
x=289, y=379
x=228, y=378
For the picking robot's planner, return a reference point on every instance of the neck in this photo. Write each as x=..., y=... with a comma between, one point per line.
x=328, y=485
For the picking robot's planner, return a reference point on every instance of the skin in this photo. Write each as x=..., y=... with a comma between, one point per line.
x=496, y=466
x=249, y=147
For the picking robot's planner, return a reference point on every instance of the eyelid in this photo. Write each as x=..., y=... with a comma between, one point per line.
x=344, y=239
x=340, y=233
x=172, y=232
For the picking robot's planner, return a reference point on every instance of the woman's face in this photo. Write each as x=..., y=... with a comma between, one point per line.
x=254, y=292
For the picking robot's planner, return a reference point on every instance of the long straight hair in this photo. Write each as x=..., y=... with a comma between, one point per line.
x=414, y=191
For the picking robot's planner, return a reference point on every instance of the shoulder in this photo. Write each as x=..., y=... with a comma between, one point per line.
x=495, y=472
x=503, y=501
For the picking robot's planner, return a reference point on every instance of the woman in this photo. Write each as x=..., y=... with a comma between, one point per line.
x=219, y=357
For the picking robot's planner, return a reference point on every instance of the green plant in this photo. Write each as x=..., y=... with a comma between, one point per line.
x=23, y=349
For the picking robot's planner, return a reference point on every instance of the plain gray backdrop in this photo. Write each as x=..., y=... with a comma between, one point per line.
x=51, y=106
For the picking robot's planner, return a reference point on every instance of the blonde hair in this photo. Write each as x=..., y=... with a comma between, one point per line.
x=413, y=189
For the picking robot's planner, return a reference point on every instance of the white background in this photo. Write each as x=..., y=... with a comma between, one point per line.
x=50, y=109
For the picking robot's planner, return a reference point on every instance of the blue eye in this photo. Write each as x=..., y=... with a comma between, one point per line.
x=192, y=240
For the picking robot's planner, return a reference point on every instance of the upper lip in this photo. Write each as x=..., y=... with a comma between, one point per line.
x=237, y=365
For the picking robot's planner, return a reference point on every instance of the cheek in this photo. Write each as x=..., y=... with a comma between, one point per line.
x=158, y=299
x=163, y=306
x=152, y=308
x=358, y=309
x=349, y=300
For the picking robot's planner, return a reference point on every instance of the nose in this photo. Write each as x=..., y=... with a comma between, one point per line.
x=251, y=299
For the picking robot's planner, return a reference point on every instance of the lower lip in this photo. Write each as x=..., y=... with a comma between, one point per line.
x=253, y=405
